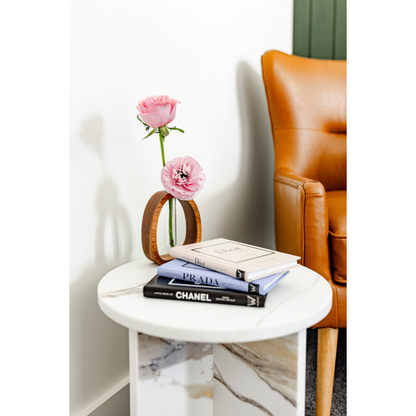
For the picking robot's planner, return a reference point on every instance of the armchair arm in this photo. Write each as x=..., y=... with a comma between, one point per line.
x=301, y=220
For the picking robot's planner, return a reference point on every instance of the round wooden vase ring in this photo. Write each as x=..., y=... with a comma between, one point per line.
x=151, y=219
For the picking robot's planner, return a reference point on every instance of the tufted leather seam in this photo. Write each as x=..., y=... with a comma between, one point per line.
x=299, y=187
x=337, y=310
x=306, y=196
x=307, y=129
x=337, y=236
x=303, y=216
x=309, y=194
x=293, y=185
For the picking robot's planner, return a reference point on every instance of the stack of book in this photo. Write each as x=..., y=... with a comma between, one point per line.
x=220, y=271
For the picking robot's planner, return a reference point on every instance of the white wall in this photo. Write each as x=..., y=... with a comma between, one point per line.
x=207, y=55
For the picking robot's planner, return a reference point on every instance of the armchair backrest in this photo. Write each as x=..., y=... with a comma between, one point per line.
x=307, y=107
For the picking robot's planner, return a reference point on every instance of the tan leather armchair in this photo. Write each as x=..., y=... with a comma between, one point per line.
x=307, y=108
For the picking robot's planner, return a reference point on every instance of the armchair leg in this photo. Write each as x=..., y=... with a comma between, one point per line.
x=327, y=352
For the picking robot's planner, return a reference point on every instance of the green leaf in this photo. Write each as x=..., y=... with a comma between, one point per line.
x=153, y=131
x=176, y=128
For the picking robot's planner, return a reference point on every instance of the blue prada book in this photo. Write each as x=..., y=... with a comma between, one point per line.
x=179, y=269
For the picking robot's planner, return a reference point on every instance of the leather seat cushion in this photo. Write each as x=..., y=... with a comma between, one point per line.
x=337, y=210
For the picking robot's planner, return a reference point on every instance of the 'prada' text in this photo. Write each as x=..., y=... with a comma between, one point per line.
x=200, y=279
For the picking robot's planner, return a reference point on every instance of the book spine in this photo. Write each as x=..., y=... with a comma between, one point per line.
x=204, y=296
x=208, y=263
x=211, y=279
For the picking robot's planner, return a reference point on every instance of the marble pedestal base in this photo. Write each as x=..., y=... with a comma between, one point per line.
x=187, y=379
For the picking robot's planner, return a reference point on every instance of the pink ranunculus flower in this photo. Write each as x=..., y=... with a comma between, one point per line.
x=157, y=111
x=183, y=177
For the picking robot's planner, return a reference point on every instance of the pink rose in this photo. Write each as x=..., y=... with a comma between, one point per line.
x=183, y=178
x=157, y=111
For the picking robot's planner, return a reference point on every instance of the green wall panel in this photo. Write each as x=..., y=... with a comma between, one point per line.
x=340, y=29
x=301, y=26
x=320, y=28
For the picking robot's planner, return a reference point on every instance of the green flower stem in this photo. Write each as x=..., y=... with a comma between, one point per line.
x=162, y=149
x=171, y=239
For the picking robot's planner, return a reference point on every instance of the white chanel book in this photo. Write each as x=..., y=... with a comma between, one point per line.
x=239, y=260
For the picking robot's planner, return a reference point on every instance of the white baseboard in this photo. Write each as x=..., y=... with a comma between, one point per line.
x=109, y=393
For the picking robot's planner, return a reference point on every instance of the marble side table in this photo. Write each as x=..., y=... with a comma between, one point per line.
x=191, y=358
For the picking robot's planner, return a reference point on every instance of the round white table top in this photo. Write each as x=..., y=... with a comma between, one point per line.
x=300, y=300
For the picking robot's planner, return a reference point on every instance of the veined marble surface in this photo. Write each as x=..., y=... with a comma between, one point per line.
x=186, y=379
x=274, y=361
x=174, y=377
x=260, y=378
x=302, y=299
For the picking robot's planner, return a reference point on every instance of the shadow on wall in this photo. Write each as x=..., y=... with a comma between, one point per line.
x=250, y=215
x=95, y=339
x=113, y=232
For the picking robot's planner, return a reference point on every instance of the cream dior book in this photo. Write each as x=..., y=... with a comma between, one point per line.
x=239, y=260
